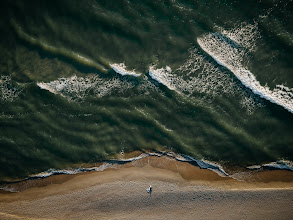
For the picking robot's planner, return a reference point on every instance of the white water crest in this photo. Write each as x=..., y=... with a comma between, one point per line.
x=164, y=76
x=229, y=49
x=121, y=69
x=77, y=88
x=196, y=75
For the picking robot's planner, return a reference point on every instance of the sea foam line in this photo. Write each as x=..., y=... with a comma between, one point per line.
x=230, y=57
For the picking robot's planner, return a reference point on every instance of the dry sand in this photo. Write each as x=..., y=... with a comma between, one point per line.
x=180, y=191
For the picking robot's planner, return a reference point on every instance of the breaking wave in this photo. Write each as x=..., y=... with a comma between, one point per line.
x=198, y=75
x=230, y=48
x=77, y=88
x=164, y=76
x=121, y=69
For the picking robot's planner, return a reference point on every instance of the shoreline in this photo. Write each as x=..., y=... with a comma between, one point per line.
x=258, y=178
x=180, y=190
x=188, y=172
x=193, y=168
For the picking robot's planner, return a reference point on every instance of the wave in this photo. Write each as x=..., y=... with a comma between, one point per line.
x=163, y=76
x=46, y=86
x=229, y=51
x=209, y=79
x=77, y=88
x=171, y=81
x=121, y=69
x=102, y=66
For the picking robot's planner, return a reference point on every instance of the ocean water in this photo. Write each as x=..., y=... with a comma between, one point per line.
x=82, y=81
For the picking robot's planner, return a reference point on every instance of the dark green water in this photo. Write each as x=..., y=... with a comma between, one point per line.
x=215, y=81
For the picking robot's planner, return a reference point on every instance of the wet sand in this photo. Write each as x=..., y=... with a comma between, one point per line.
x=180, y=191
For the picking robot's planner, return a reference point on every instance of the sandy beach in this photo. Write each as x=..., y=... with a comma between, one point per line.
x=180, y=191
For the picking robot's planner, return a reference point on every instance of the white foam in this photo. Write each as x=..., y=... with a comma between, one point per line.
x=171, y=81
x=121, y=69
x=280, y=164
x=145, y=86
x=163, y=76
x=203, y=76
x=254, y=167
x=226, y=53
x=244, y=35
x=77, y=88
x=46, y=86
x=194, y=62
x=7, y=91
x=168, y=69
x=208, y=79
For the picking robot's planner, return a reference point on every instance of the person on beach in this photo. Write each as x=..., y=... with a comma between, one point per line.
x=149, y=190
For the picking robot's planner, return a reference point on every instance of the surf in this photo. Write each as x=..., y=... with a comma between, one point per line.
x=121, y=69
x=76, y=88
x=219, y=46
